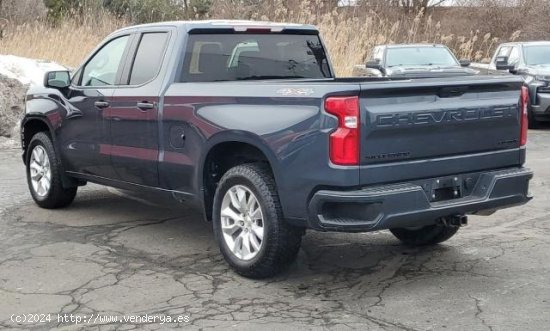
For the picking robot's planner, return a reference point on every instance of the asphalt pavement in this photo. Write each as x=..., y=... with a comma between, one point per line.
x=114, y=261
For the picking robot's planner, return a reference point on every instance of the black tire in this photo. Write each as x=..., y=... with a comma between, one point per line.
x=427, y=235
x=281, y=241
x=57, y=196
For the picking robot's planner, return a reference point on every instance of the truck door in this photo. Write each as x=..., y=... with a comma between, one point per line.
x=134, y=111
x=85, y=133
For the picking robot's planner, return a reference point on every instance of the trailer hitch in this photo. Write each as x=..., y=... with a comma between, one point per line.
x=454, y=221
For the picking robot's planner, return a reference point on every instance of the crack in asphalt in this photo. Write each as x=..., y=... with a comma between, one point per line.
x=479, y=311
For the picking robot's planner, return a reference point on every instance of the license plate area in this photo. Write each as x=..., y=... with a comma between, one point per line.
x=446, y=188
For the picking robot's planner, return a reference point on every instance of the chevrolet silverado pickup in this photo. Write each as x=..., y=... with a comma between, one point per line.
x=246, y=121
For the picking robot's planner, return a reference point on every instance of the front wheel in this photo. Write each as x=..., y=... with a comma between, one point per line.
x=44, y=174
x=426, y=235
x=247, y=219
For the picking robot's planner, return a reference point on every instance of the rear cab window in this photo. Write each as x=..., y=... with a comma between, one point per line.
x=148, y=58
x=246, y=56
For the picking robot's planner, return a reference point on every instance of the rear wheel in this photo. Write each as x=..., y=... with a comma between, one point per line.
x=248, y=224
x=44, y=174
x=426, y=235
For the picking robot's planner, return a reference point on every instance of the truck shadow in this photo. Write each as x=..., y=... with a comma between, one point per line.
x=374, y=257
x=542, y=126
x=170, y=234
x=181, y=243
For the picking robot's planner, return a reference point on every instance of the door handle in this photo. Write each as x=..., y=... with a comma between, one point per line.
x=101, y=104
x=145, y=105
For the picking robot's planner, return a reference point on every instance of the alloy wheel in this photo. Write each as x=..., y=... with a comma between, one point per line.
x=40, y=171
x=242, y=222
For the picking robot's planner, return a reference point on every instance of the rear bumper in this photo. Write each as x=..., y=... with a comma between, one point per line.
x=408, y=204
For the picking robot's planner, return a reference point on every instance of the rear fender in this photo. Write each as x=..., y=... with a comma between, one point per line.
x=240, y=137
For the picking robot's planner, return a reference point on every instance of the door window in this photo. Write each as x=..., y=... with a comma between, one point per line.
x=102, y=68
x=503, y=51
x=513, y=58
x=377, y=54
x=148, y=58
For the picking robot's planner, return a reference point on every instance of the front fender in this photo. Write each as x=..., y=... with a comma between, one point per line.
x=532, y=86
x=44, y=111
x=47, y=106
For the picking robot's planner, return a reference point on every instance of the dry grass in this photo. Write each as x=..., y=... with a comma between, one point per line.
x=67, y=43
x=348, y=37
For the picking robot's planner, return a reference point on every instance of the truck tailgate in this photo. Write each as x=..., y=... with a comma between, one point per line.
x=436, y=127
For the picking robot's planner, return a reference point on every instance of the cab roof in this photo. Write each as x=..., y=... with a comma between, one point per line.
x=237, y=25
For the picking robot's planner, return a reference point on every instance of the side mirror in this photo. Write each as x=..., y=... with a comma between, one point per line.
x=57, y=79
x=375, y=64
x=501, y=63
x=465, y=63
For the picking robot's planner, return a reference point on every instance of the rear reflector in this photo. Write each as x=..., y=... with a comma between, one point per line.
x=524, y=119
x=344, y=142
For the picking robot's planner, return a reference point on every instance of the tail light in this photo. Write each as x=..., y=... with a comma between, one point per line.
x=524, y=120
x=344, y=142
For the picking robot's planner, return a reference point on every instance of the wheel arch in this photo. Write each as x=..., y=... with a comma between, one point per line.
x=30, y=126
x=224, y=151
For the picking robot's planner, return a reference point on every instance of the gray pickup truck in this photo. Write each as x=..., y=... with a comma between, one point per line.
x=531, y=60
x=413, y=61
x=246, y=121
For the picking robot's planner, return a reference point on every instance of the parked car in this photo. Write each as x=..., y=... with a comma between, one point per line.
x=245, y=121
x=531, y=60
x=413, y=61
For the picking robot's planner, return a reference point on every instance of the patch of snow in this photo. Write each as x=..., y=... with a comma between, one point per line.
x=27, y=71
x=8, y=143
